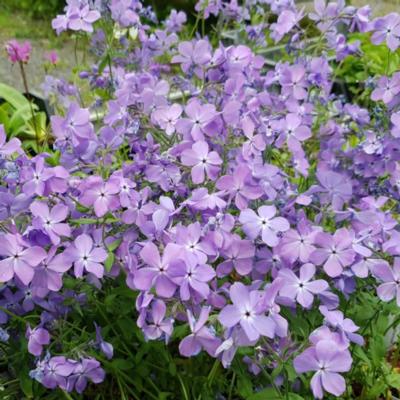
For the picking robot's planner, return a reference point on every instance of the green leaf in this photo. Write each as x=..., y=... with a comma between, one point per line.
x=265, y=394
x=114, y=245
x=13, y=96
x=19, y=118
x=121, y=364
x=295, y=396
x=54, y=159
x=82, y=209
x=376, y=390
x=83, y=221
x=393, y=380
x=109, y=261
x=377, y=350
x=245, y=387
x=103, y=63
x=277, y=371
x=172, y=369
x=360, y=353
x=26, y=383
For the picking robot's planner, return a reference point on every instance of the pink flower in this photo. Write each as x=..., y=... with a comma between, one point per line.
x=52, y=57
x=18, y=52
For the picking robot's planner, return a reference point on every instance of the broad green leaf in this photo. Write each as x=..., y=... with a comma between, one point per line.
x=245, y=387
x=393, y=380
x=265, y=394
x=294, y=396
x=26, y=383
x=109, y=261
x=13, y=96
x=114, y=245
x=377, y=350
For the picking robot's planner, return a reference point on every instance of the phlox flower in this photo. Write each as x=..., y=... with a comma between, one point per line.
x=327, y=361
x=202, y=161
x=264, y=223
x=19, y=259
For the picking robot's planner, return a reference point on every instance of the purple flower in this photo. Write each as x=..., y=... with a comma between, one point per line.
x=240, y=185
x=387, y=88
x=395, y=119
x=19, y=259
x=286, y=21
x=11, y=205
x=344, y=326
x=390, y=288
x=189, y=238
x=60, y=23
x=199, y=121
x=86, y=369
x=192, y=277
x=10, y=147
x=202, y=200
x=327, y=360
x=123, y=12
x=298, y=244
x=193, y=55
x=48, y=274
x=175, y=21
x=295, y=132
x=37, y=338
x=335, y=188
x=202, y=161
x=302, y=288
x=201, y=336
x=162, y=215
x=334, y=252
x=56, y=371
x=156, y=272
x=82, y=19
x=101, y=195
x=246, y=310
x=106, y=348
x=159, y=325
x=293, y=81
x=238, y=57
x=75, y=127
x=86, y=257
x=50, y=221
x=167, y=117
x=239, y=255
x=78, y=17
x=387, y=28
x=264, y=223
x=326, y=12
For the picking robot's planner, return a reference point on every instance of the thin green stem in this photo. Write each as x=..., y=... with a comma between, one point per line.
x=184, y=391
x=231, y=386
x=26, y=88
x=67, y=395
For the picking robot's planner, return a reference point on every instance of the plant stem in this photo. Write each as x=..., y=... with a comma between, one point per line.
x=67, y=395
x=26, y=87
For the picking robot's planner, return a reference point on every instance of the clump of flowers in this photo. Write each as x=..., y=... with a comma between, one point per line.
x=249, y=209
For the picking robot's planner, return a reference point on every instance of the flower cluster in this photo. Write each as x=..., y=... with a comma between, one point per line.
x=68, y=374
x=233, y=196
